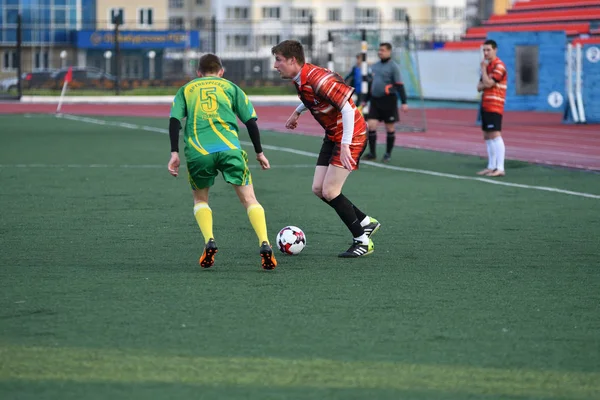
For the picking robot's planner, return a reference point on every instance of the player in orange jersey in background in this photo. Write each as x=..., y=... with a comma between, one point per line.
x=493, y=85
x=329, y=100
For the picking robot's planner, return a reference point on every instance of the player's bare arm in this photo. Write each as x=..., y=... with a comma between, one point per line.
x=174, y=163
x=485, y=79
x=292, y=121
x=263, y=161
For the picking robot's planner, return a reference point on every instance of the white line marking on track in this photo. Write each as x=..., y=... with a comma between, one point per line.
x=371, y=163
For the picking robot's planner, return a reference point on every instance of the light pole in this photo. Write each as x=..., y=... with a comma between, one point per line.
x=63, y=59
x=151, y=56
x=107, y=57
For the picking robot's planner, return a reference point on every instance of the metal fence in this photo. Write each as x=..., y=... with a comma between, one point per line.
x=143, y=62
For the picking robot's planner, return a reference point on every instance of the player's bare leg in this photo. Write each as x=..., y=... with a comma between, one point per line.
x=203, y=215
x=332, y=192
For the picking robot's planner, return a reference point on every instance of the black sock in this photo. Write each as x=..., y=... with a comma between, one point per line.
x=372, y=142
x=345, y=210
x=391, y=138
x=359, y=214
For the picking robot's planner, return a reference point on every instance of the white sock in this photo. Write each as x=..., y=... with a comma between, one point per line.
x=365, y=221
x=500, y=150
x=491, y=154
x=362, y=238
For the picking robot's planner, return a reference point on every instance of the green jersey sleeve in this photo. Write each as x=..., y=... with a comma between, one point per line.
x=179, y=108
x=243, y=107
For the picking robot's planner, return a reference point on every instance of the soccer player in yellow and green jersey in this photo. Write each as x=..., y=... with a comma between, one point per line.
x=210, y=106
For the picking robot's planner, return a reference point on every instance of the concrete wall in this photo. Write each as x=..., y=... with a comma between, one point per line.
x=551, y=69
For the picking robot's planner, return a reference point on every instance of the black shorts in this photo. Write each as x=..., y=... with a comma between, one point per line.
x=330, y=152
x=491, y=121
x=384, y=109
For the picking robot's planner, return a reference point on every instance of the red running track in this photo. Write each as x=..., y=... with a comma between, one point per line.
x=529, y=136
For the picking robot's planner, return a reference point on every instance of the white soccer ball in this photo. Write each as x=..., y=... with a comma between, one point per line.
x=291, y=240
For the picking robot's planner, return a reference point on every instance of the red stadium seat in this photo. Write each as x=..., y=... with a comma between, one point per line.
x=592, y=40
x=571, y=16
x=471, y=45
x=549, y=4
x=579, y=14
x=480, y=32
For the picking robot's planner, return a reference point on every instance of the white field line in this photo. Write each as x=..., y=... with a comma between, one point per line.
x=370, y=163
x=131, y=166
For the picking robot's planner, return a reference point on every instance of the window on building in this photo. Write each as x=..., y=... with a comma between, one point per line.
x=268, y=40
x=440, y=12
x=115, y=15
x=176, y=23
x=60, y=17
x=199, y=23
x=459, y=13
x=271, y=12
x=41, y=60
x=526, y=67
x=300, y=15
x=176, y=3
x=237, y=41
x=11, y=16
x=199, y=2
x=237, y=13
x=366, y=15
x=9, y=60
x=334, y=14
x=145, y=17
x=400, y=14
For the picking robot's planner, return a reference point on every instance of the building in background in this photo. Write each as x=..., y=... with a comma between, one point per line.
x=480, y=10
x=161, y=38
x=47, y=27
x=256, y=25
x=242, y=32
x=190, y=15
x=143, y=38
x=61, y=33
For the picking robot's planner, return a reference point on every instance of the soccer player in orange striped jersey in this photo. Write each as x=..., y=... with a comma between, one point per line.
x=329, y=99
x=493, y=85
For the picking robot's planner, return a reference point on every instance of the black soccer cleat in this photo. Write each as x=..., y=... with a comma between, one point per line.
x=371, y=227
x=369, y=157
x=386, y=158
x=268, y=259
x=358, y=250
x=208, y=256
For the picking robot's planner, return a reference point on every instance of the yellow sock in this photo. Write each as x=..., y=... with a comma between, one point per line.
x=256, y=214
x=203, y=215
